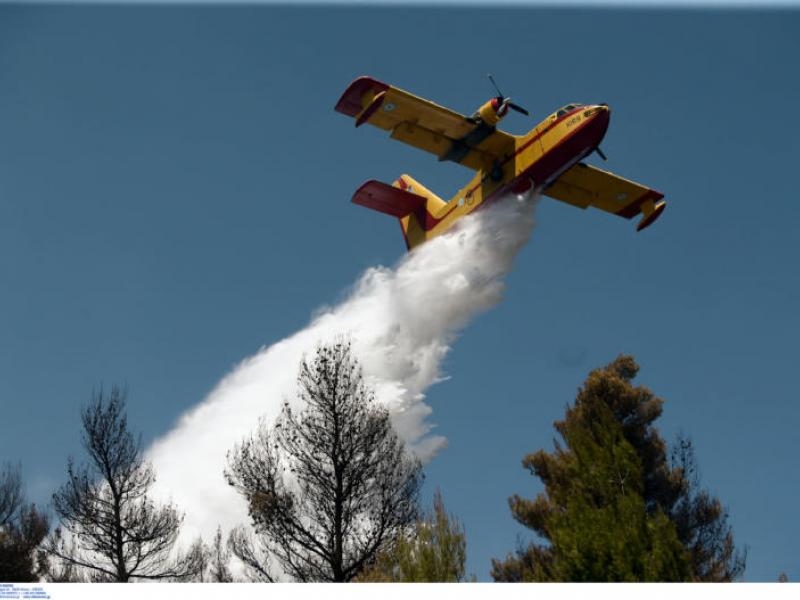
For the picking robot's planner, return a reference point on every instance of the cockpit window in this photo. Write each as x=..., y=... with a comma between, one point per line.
x=562, y=111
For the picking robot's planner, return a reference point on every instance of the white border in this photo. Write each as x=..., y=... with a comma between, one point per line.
x=419, y=591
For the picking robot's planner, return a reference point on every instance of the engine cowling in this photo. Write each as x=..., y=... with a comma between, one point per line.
x=493, y=110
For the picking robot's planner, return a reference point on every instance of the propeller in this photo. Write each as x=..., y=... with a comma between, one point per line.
x=600, y=153
x=507, y=101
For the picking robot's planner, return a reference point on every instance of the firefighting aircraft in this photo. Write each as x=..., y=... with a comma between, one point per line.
x=547, y=157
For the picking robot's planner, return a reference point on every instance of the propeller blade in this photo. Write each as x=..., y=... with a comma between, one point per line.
x=600, y=152
x=506, y=102
x=499, y=93
x=518, y=108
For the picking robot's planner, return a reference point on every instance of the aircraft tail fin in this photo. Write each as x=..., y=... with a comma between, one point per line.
x=408, y=200
x=416, y=225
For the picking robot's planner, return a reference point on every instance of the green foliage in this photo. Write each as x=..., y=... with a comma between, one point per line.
x=616, y=542
x=22, y=528
x=614, y=508
x=19, y=539
x=434, y=551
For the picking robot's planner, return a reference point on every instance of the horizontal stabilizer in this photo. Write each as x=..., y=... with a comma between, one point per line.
x=387, y=199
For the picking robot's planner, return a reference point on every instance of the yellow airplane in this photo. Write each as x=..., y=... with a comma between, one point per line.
x=547, y=157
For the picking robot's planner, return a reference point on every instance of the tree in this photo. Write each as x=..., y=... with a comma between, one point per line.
x=110, y=528
x=254, y=554
x=597, y=523
x=22, y=529
x=614, y=507
x=435, y=550
x=55, y=570
x=329, y=486
x=11, y=496
x=220, y=571
x=701, y=522
x=215, y=561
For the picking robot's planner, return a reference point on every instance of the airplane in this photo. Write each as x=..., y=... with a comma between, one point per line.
x=547, y=158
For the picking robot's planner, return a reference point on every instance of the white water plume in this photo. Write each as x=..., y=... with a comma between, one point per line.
x=401, y=322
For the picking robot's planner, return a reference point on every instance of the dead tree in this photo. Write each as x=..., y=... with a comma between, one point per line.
x=110, y=529
x=330, y=486
x=254, y=554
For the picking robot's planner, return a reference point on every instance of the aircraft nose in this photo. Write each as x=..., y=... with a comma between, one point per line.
x=602, y=116
x=598, y=110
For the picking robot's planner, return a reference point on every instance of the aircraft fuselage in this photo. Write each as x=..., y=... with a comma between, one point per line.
x=538, y=159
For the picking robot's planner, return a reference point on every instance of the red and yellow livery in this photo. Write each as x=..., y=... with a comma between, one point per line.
x=547, y=157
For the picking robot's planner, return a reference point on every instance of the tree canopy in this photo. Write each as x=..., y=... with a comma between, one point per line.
x=614, y=507
x=22, y=528
x=111, y=529
x=329, y=485
x=433, y=551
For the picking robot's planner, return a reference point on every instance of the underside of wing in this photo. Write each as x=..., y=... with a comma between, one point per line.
x=424, y=124
x=584, y=185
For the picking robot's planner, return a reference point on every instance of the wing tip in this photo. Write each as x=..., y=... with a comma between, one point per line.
x=651, y=211
x=350, y=101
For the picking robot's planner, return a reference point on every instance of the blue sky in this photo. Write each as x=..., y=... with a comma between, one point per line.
x=174, y=194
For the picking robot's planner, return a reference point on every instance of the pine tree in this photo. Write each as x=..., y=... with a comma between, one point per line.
x=433, y=551
x=614, y=507
x=22, y=528
x=111, y=530
x=219, y=558
x=328, y=486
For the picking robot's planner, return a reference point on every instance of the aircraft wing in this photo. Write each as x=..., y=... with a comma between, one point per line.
x=584, y=185
x=425, y=125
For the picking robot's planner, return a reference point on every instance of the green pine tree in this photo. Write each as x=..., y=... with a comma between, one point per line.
x=434, y=551
x=22, y=528
x=614, y=507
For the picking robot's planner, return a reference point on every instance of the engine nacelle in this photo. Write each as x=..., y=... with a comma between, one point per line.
x=493, y=110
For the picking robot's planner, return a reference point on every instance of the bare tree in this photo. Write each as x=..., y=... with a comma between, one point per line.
x=220, y=571
x=114, y=531
x=56, y=570
x=214, y=560
x=330, y=486
x=253, y=553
